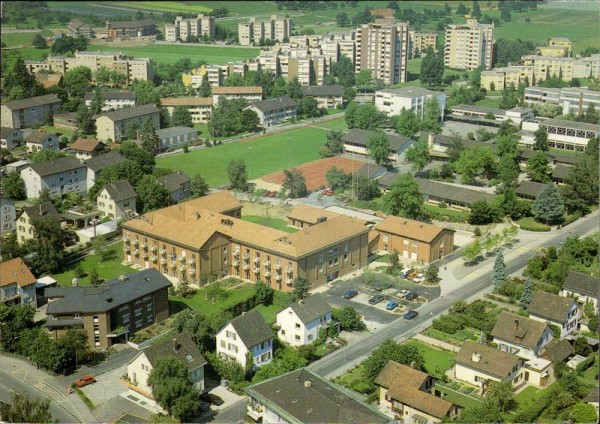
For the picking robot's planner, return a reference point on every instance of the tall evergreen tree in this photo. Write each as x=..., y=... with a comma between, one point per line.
x=541, y=140
x=181, y=117
x=149, y=138
x=549, y=206
x=527, y=295
x=19, y=83
x=499, y=272
x=205, y=89
x=538, y=168
x=85, y=123
x=432, y=68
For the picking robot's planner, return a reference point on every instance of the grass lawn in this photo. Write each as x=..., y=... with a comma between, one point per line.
x=530, y=224
x=169, y=53
x=351, y=377
x=278, y=224
x=27, y=53
x=269, y=313
x=487, y=102
x=15, y=39
x=106, y=270
x=457, y=398
x=526, y=396
x=437, y=361
x=199, y=303
x=336, y=124
x=54, y=130
x=263, y=156
x=446, y=214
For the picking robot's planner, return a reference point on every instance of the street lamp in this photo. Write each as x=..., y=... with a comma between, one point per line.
x=289, y=151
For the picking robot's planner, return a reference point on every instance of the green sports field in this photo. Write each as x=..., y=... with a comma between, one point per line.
x=264, y=156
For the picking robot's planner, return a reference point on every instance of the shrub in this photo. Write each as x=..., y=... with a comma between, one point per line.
x=529, y=224
x=442, y=205
x=477, y=232
x=448, y=324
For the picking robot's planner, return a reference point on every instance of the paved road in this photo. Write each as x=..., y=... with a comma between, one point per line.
x=235, y=413
x=466, y=283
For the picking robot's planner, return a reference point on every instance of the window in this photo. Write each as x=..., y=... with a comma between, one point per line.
x=139, y=323
x=414, y=243
x=346, y=257
x=297, y=337
x=346, y=247
x=223, y=344
x=297, y=325
x=405, y=242
x=230, y=334
x=126, y=318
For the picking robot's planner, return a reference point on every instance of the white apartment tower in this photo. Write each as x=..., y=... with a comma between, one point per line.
x=276, y=28
x=469, y=46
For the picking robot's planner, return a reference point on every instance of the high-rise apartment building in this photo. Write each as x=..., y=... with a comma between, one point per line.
x=183, y=28
x=469, y=46
x=382, y=48
x=420, y=41
x=276, y=28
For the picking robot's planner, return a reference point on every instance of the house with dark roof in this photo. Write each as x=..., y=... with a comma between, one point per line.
x=274, y=111
x=99, y=163
x=301, y=396
x=25, y=113
x=454, y=196
x=60, y=176
x=529, y=190
x=78, y=28
x=179, y=346
x=356, y=140
x=87, y=148
x=524, y=337
x=10, y=137
x=132, y=29
x=558, y=351
x=480, y=365
x=31, y=214
x=406, y=394
x=327, y=96
x=560, y=173
x=110, y=311
x=584, y=288
x=41, y=140
x=176, y=137
x=301, y=322
x=559, y=311
x=112, y=100
x=113, y=126
x=117, y=200
x=17, y=283
x=244, y=337
x=178, y=184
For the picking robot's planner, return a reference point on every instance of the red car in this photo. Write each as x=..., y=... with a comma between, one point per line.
x=328, y=192
x=85, y=380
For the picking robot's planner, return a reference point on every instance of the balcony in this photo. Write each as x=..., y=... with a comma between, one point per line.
x=289, y=281
x=246, y=256
x=289, y=269
x=256, y=259
x=267, y=273
x=182, y=258
x=136, y=252
x=246, y=266
x=192, y=271
x=278, y=266
x=278, y=277
x=256, y=270
x=173, y=264
x=192, y=260
x=145, y=255
x=182, y=268
x=236, y=252
x=145, y=245
x=136, y=242
x=154, y=258
x=163, y=261
x=127, y=248
x=154, y=248
x=126, y=239
x=236, y=263
x=267, y=262
x=163, y=251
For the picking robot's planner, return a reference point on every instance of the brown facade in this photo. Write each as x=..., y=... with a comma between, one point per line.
x=418, y=250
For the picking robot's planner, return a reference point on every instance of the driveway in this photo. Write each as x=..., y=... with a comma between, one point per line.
x=107, y=386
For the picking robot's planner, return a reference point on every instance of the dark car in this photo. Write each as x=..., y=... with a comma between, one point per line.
x=212, y=399
x=410, y=314
x=349, y=294
x=411, y=296
x=376, y=299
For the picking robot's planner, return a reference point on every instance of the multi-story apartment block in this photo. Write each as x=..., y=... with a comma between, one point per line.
x=327, y=96
x=183, y=28
x=572, y=100
x=255, y=31
x=41, y=140
x=111, y=311
x=321, y=67
x=199, y=107
x=131, y=29
x=10, y=137
x=97, y=164
x=269, y=61
x=561, y=42
x=17, y=283
x=117, y=200
x=31, y=214
x=216, y=241
x=555, y=51
x=562, y=134
x=566, y=68
x=469, y=46
x=60, y=176
x=249, y=93
x=113, y=125
x=113, y=100
x=8, y=214
x=134, y=69
x=28, y=112
x=382, y=47
x=392, y=101
x=77, y=28
x=420, y=41
x=274, y=111
x=502, y=78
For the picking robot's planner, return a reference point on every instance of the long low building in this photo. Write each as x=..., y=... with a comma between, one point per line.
x=562, y=134
x=356, y=142
x=453, y=196
x=572, y=100
x=483, y=115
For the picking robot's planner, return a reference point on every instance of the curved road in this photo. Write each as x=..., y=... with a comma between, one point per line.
x=469, y=283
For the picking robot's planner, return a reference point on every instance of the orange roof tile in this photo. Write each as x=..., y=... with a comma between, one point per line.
x=310, y=214
x=409, y=228
x=186, y=101
x=86, y=144
x=237, y=90
x=15, y=271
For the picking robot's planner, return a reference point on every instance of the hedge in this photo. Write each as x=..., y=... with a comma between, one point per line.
x=529, y=224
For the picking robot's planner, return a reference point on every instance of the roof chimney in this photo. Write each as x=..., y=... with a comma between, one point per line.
x=175, y=345
x=307, y=383
x=476, y=357
x=516, y=324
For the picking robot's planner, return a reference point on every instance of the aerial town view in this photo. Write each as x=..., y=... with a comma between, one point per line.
x=293, y=211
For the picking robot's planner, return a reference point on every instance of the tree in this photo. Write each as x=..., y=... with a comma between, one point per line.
x=475, y=161
x=152, y=194
x=97, y=102
x=199, y=186
x=591, y=115
x=68, y=44
x=238, y=174
x=76, y=82
x=541, y=140
x=342, y=20
x=584, y=413
x=476, y=10
x=418, y=156
x=39, y=42
x=508, y=169
x=390, y=350
x=85, y=123
x=13, y=186
x=14, y=320
x=349, y=319
x=343, y=70
x=581, y=190
x=49, y=243
x=486, y=412
x=499, y=272
x=471, y=252
x=461, y=9
x=538, y=168
x=431, y=116
x=149, y=138
x=295, y=183
x=205, y=89
x=249, y=120
x=101, y=248
x=23, y=409
x=264, y=293
x=432, y=272
x=405, y=198
x=94, y=277
x=549, y=207
x=364, y=79
x=378, y=148
x=308, y=107
x=102, y=76
x=527, y=294
x=334, y=144
x=481, y=213
x=582, y=346
x=455, y=147
x=367, y=189
x=502, y=394
x=290, y=360
x=301, y=288
x=505, y=15
x=19, y=83
x=367, y=117
x=338, y=179
x=432, y=68
x=181, y=117
x=408, y=124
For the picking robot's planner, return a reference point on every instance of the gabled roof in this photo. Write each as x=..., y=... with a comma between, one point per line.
x=518, y=330
x=491, y=361
x=48, y=80
x=578, y=282
x=5, y=132
x=550, y=306
x=558, y=351
x=360, y=137
x=387, y=179
x=111, y=95
x=174, y=180
x=186, y=101
x=42, y=210
x=395, y=373
x=274, y=104
x=51, y=167
x=409, y=228
x=251, y=328
x=76, y=23
x=452, y=192
x=529, y=188
x=253, y=89
x=561, y=172
x=130, y=112
x=180, y=346
x=15, y=271
x=311, y=308
x=32, y=102
x=87, y=144
x=310, y=214
x=38, y=137
x=105, y=160
x=322, y=90
x=121, y=190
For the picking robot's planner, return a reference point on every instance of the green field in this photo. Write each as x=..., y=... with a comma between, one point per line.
x=437, y=361
x=269, y=313
x=16, y=39
x=198, y=302
x=264, y=156
x=487, y=102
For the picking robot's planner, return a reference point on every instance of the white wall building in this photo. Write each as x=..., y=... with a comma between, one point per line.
x=40, y=140
x=391, y=101
x=113, y=100
x=521, y=336
x=8, y=215
x=301, y=322
x=582, y=287
x=117, y=200
x=562, y=134
x=60, y=176
x=562, y=312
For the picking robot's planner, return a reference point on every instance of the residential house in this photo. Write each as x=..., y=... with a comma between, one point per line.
x=355, y=142
x=26, y=113
x=77, y=28
x=117, y=200
x=392, y=101
x=414, y=240
x=247, y=336
x=327, y=96
x=563, y=313
x=112, y=100
x=176, y=136
x=41, y=140
x=99, y=163
x=17, y=166
x=301, y=322
x=305, y=216
x=454, y=196
x=67, y=120
x=10, y=138
x=199, y=107
x=592, y=399
x=113, y=126
x=180, y=346
x=31, y=214
x=60, y=176
x=529, y=190
x=558, y=351
x=131, y=29
x=8, y=216
x=249, y=93
x=178, y=184
x=274, y=111
x=584, y=288
x=87, y=148
x=405, y=394
x=17, y=283
x=302, y=396
x=111, y=311
x=481, y=365
x=524, y=337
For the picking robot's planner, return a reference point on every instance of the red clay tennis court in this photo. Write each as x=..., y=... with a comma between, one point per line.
x=314, y=172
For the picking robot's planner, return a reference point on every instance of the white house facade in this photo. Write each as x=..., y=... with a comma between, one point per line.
x=301, y=322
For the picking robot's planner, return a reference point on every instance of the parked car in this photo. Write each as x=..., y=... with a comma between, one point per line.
x=412, y=296
x=212, y=399
x=404, y=292
x=410, y=314
x=391, y=305
x=85, y=380
x=349, y=294
x=376, y=299
x=328, y=192
x=405, y=273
